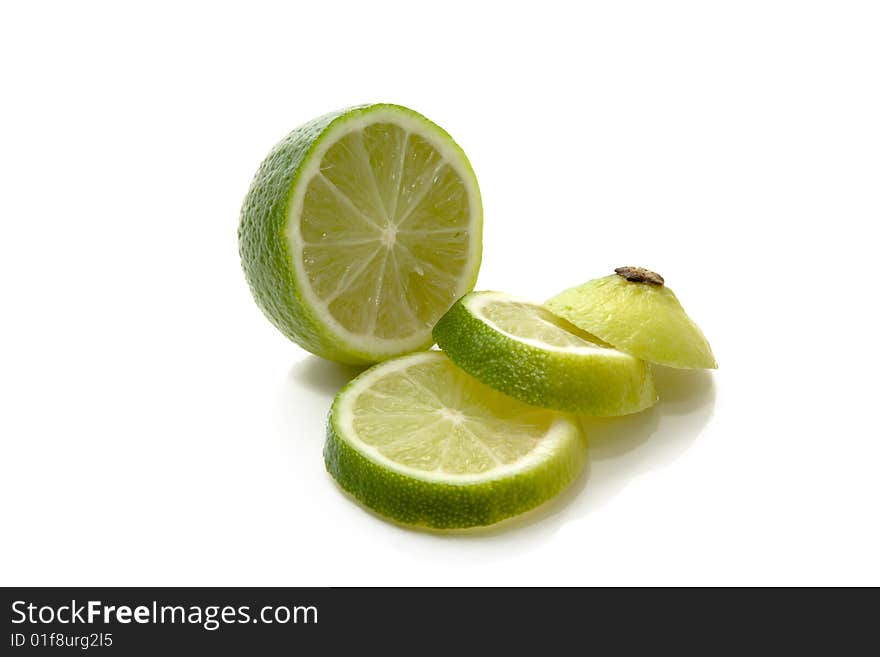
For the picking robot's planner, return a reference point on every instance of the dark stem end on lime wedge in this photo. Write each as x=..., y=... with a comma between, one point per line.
x=639, y=275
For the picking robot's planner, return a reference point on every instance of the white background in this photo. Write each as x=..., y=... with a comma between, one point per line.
x=156, y=429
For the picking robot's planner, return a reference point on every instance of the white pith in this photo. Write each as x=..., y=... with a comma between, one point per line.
x=562, y=431
x=477, y=302
x=363, y=342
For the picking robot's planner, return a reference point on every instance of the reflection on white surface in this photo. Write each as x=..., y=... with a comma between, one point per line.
x=622, y=448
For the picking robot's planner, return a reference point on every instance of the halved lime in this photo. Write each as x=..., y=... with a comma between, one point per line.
x=527, y=352
x=635, y=311
x=360, y=229
x=418, y=440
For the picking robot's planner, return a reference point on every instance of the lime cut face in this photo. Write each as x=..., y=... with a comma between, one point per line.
x=360, y=230
x=532, y=322
x=418, y=440
x=525, y=351
x=636, y=312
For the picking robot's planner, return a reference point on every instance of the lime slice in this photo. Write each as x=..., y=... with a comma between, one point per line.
x=635, y=311
x=419, y=441
x=360, y=229
x=527, y=352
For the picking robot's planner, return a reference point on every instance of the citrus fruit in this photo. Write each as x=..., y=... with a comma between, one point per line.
x=527, y=352
x=418, y=440
x=635, y=311
x=360, y=229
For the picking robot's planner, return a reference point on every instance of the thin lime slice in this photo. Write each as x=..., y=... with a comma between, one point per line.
x=527, y=352
x=635, y=311
x=360, y=230
x=418, y=440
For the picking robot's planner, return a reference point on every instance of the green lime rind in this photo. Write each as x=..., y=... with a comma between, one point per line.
x=600, y=382
x=642, y=319
x=426, y=502
x=444, y=506
x=265, y=251
x=263, y=247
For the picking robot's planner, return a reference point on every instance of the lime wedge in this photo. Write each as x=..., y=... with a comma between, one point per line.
x=635, y=311
x=418, y=440
x=527, y=352
x=360, y=229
